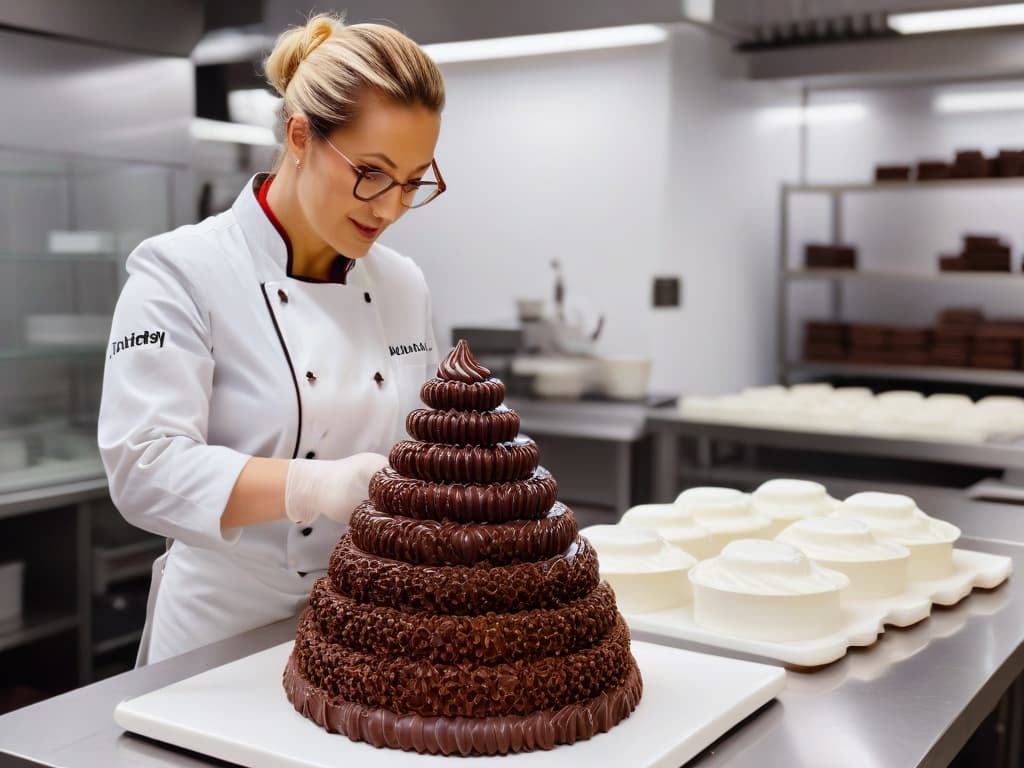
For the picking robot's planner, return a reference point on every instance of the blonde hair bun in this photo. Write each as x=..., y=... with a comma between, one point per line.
x=295, y=44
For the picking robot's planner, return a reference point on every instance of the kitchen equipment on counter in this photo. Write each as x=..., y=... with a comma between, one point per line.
x=624, y=377
x=564, y=378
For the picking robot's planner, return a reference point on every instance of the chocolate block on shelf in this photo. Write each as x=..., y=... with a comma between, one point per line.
x=1002, y=362
x=960, y=316
x=952, y=264
x=825, y=332
x=949, y=358
x=910, y=337
x=824, y=352
x=830, y=257
x=932, y=170
x=952, y=334
x=970, y=164
x=1009, y=162
x=982, y=242
x=907, y=356
x=992, y=259
x=869, y=335
x=999, y=330
x=892, y=172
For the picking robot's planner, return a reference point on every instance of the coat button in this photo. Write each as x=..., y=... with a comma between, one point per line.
x=282, y=295
x=310, y=377
x=378, y=378
x=366, y=298
x=311, y=454
x=306, y=531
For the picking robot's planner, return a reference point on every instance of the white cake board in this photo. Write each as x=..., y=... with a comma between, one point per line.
x=863, y=620
x=239, y=713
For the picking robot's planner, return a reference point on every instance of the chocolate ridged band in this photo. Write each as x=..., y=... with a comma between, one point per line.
x=487, y=639
x=420, y=687
x=443, y=542
x=463, y=427
x=457, y=395
x=460, y=589
x=464, y=735
x=495, y=503
x=465, y=463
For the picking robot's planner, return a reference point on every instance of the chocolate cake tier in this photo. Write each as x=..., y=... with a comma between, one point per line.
x=501, y=463
x=465, y=735
x=460, y=396
x=420, y=687
x=494, y=503
x=461, y=589
x=463, y=427
x=443, y=542
x=486, y=639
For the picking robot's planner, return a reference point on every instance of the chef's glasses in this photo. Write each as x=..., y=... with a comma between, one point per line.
x=372, y=183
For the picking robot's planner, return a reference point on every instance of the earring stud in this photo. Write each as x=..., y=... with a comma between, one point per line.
x=298, y=163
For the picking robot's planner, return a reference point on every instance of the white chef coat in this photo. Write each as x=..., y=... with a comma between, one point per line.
x=217, y=353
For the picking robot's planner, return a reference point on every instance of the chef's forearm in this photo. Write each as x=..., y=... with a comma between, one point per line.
x=258, y=495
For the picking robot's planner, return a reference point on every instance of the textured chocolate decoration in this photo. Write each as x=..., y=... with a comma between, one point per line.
x=463, y=427
x=439, y=639
x=443, y=542
x=460, y=365
x=464, y=735
x=460, y=589
x=494, y=503
x=459, y=396
x=466, y=463
x=420, y=687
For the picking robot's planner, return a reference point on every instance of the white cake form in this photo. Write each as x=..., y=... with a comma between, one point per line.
x=784, y=501
x=895, y=517
x=766, y=590
x=646, y=572
x=674, y=524
x=725, y=513
x=876, y=569
x=899, y=398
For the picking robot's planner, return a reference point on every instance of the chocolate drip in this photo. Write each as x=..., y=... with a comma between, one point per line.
x=443, y=542
x=516, y=460
x=464, y=735
x=460, y=365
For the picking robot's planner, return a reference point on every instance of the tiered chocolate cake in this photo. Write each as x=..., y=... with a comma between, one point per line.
x=462, y=613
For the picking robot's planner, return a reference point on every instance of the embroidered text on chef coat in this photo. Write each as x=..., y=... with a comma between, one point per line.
x=145, y=338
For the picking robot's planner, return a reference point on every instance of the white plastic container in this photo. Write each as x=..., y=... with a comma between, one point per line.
x=784, y=501
x=647, y=573
x=624, y=378
x=767, y=590
x=895, y=517
x=725, y=513
x=876, y=569
x=673, y=524
x=11, y=580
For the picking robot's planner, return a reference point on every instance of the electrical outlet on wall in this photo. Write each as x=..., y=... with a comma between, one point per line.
x=668, y=292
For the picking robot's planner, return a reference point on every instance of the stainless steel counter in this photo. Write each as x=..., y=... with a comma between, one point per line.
x=912, y=699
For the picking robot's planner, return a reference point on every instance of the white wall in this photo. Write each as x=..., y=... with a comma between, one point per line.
x=623, y=164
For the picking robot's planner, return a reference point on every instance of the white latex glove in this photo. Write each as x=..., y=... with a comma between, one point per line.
x=330, y=488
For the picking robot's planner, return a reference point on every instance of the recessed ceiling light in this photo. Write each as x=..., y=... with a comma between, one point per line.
x=979, y=101
x=957, y=18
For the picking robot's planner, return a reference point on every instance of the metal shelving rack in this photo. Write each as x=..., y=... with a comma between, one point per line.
x=836, y=278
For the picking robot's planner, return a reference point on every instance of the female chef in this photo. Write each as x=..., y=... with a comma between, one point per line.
x=262, y=361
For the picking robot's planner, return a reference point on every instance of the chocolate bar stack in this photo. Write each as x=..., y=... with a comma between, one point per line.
x=892, y=172
x=997, y=344
x=825, y=341
x=869, y=343
x=981, y=253
x=909, y=346
x=953, y=336
x=970, y=164
x=933, y=170
x=1009, y=162
x=830, y=257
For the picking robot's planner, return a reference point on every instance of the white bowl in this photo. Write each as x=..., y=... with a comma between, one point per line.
x=895, y=517
x=673, y=524
x=784, y=501
x=766, y=590
x=875, y=568
x=725, y=513
x=646, y=572
x=624, y=378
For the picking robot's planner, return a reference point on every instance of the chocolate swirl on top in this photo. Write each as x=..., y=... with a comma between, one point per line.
x=460, y=365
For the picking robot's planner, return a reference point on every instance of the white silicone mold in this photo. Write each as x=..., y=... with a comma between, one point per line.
x=784, y=501
x=674, y=524
x=725, y=513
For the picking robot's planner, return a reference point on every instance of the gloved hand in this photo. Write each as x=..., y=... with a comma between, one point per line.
x=329, y=488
